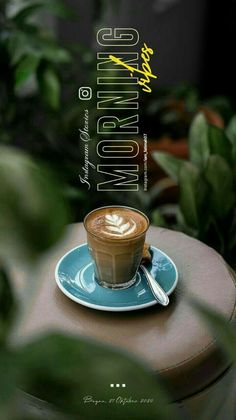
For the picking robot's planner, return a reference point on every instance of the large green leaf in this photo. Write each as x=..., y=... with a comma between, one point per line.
x=231, y=133
x=9, y=377
x=49, y=86
x=21, y=44
x=18, y=46
x=53, y=53
x=69, y=371
x=21, y=11
x=231, y=129
x=26, y=12
x=7, y=305
x=25, y=69
x=198, y=140
x=189, y=183
x=219, y=176
x=60, y=9
x=170, y=164
x=32, y=210
x=219, y=143
x=158, y=219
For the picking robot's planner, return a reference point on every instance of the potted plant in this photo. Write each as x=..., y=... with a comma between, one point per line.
x=207, y=185
x=168, y=116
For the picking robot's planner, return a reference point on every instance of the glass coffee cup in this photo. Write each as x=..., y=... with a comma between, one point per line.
x=116, y=236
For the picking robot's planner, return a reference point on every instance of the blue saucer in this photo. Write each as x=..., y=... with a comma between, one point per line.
x=75, y=277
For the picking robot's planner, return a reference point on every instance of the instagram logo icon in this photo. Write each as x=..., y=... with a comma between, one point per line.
x=85, y=93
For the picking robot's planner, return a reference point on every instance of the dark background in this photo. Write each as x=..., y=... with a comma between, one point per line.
x=194, y=40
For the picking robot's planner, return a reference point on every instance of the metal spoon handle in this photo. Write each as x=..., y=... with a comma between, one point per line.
x=156, y=289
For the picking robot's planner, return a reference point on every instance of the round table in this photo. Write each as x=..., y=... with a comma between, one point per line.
x=174, y=341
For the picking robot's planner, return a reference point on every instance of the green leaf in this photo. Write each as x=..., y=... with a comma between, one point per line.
x=189, y=183
x=7, y=305
x=27, y=12
x=158, y=219
x=216, y=235
x=219, y=143
x=51, y=52
x=29, y=8
x=50, y=87
x=183, y=226
x=9, y=374
x=17, y=46
x=198, y=140
x=32, y=209
x=231, y=130
x=21, y=45
x=60, y=9
x=192, y=99
x=26, y=68
x=231, y=133
x=73, y=193
x=170, y=164
x=220, y=178
x=222, y=328
x=65, y=370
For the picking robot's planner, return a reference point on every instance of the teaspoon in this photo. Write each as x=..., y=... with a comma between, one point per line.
x=157, y=291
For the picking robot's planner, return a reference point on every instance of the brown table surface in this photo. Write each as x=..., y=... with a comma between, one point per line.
x=172, y=340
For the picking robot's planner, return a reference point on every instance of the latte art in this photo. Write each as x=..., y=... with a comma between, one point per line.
x=116, y=225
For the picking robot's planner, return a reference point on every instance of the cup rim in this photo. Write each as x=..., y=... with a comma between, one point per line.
x=119, y=206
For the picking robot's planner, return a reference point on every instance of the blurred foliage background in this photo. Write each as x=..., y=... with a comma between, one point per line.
x=192, y=171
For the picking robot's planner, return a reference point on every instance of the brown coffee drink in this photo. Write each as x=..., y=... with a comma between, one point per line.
x=116, y=236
